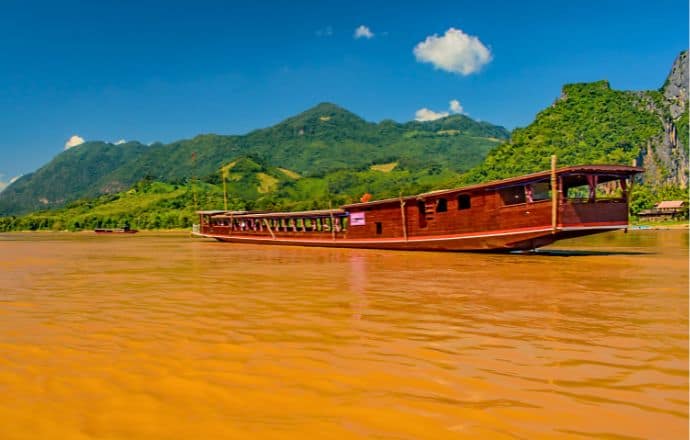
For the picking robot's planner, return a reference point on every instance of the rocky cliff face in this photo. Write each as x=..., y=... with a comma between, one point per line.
x=676, y=87
x=665, y=158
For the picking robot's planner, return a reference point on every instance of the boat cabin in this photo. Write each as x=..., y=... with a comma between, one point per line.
x=586, y=195
x=325, y=223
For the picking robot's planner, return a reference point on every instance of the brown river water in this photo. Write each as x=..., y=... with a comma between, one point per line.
x=163, y=336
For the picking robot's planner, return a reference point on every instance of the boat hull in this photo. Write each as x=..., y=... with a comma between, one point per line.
x=497, y=241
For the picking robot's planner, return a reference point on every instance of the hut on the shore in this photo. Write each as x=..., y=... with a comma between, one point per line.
x=666, y=210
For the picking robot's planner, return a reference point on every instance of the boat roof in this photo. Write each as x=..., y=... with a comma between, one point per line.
x=612, y=170
x=217, y=211
x=263, y=214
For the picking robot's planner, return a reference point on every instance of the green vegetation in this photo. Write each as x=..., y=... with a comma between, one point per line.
x=589, y=124
x=148, y=205
x=157, y=205
x=644, y=197
x=662, y=224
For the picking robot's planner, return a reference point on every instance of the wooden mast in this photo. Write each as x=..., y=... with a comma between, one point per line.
x=554, y=195
x=225, y=200
x=404, y=218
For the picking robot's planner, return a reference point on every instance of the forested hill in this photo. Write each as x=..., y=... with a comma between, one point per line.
x=592, y=123
x=322, y=140
x=81, y=171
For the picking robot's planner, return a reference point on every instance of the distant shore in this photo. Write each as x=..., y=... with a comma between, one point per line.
x=660, y=226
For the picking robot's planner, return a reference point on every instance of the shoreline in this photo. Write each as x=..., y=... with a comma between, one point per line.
x=633, y=227
x=659, y=227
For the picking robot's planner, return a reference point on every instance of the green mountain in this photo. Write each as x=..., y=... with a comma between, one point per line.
x=147, y=205
x=322, y=140
x=592, y=123
x=81, y=171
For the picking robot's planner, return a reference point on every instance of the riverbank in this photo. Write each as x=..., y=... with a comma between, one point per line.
x=660, y=225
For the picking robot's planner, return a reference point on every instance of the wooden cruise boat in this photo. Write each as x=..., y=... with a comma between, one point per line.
x=520, y=213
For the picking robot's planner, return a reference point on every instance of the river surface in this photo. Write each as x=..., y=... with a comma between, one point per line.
x=163, y=336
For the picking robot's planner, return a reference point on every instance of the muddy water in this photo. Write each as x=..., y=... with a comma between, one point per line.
x=162, y=336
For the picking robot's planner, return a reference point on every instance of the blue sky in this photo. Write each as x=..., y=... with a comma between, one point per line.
x=161, y=71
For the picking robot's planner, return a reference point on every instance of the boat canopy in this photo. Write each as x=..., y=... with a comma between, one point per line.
x=572, y=176
x=287, y=214
x=218, y=211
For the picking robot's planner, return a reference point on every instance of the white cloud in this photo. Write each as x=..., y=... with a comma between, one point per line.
x=454, y=52
x=74, y=141
x=4, y=184
x=363, y=32
x=424, y=114
x=325, y=32
x=120, y=142
x=455, y=106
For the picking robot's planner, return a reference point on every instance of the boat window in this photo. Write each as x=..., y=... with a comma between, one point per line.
x=535, y=192
x=422, y=213
x=513, y=195
x=441, y=205
x=464, y=201
x=379, y=228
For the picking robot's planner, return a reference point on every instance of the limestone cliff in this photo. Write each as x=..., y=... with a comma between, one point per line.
x=665, y=157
